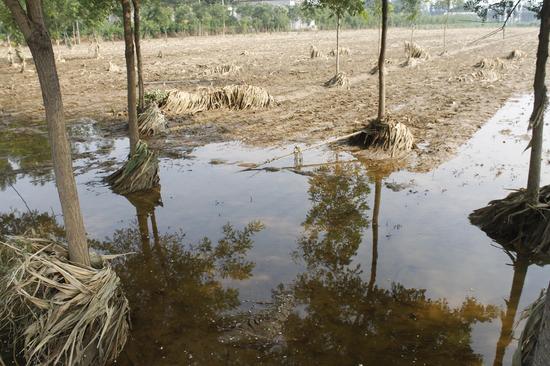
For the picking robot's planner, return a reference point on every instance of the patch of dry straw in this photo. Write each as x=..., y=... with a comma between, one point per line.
x=491, y=64
x=338, y=80
x=63, y=313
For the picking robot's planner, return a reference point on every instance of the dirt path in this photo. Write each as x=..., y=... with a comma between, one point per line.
x=439, y=98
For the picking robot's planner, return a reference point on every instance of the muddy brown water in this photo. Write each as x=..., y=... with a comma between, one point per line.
x=348, y=265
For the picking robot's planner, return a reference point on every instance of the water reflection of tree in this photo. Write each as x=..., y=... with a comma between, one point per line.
x=334, y=225
x=342, y=319
x=175, y=290
x=30, y=152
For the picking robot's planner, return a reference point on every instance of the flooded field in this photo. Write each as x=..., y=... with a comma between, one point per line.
x=340, y=263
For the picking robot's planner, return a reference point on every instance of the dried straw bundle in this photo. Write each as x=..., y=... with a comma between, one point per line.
x=516, y=55
x=139, y=173
x=179, y=102
x=225, y=69
x=314, y=52
x=65, y=314
x=515, y=224
x=156, y=96
x=530, y=334
x=240, y=97
x=338, y=80
x=152, y=121
x=412, y=50
x=343, y=52
x=491, y=64
x=390, y=137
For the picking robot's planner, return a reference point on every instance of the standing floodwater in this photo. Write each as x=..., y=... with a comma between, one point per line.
x=334, y=264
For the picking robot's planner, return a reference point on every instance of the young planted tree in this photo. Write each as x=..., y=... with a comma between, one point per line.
x=338, y=8
x=30, y=21
x=520, y=220
x=382, y=134
x=412, y=9
x=140, y=172
x=139, y=58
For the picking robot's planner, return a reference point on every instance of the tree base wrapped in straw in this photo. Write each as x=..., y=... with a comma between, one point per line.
x=338, y=80
x=516, y=55
x=139, y=173
x=388, y=137
x=314, y=52
x=61, y=313
x=152, y=122
x=515, y=224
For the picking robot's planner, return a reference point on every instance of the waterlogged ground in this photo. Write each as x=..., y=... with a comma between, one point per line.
x=335, y=264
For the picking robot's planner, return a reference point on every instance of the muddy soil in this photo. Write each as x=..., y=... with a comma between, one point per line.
x=440, y=98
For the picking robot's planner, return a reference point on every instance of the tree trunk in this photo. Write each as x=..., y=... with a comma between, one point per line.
x=382, y=64
x=537, y=117
x=77, y=33
x=31, y=23
x=337, y=44
x=507, y=330
x=131, y=75
x=541, y=356
x=137, y=42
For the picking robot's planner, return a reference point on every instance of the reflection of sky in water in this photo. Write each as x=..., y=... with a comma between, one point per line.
x=425, y=240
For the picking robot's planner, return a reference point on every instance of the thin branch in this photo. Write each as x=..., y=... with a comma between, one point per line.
x=20, y=16
x=499, y=29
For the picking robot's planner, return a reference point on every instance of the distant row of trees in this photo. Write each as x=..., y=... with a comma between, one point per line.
x=163, y=17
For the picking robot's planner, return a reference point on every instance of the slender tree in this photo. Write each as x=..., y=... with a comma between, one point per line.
x=137, y=42
x=338, y=8
x=30, y=21
x=536, y=122
x=131, y=74
x=382, y=64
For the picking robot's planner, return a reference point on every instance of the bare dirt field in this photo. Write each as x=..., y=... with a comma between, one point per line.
x=444, y=99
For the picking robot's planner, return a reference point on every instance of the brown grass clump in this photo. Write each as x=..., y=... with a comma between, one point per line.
x=389, y=137
x=152, y=121
x=61, y=313
x=338, y=80
x=139, y=173
x=515, y=224
x=412, y=50
x=516, y=55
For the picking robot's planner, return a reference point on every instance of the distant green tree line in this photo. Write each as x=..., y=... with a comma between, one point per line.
x=208, y=17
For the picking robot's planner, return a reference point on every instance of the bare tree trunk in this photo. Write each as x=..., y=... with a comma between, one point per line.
x=382, y=64
x=31, y=23
x=337, y=43
x=541, y=356
x=537, y=117
x=137, y=42
x=131, y=75
x=77, y=33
